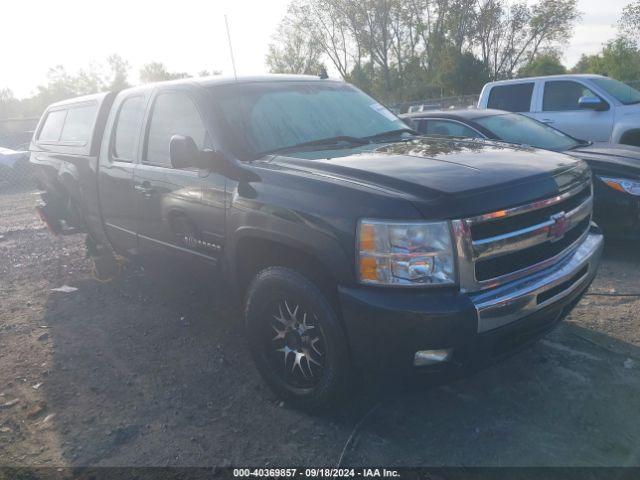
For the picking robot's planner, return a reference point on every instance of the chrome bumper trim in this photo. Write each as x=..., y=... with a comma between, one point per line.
x=510, y=212
x=512, y=301
x=528, y=237
x=470, y=251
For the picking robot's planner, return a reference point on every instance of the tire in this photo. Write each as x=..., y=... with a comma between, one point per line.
x=296, y=339
x=631, y=137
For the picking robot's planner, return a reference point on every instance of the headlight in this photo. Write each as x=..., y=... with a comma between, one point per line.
x=403, y=253
x=631, y=187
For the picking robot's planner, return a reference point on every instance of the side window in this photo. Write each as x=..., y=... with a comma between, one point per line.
x=127, y=130
x=420, y=125
x=564, y=95
x=52, y=128
x=412, y=123
x=446, y=128
x=512, y=98
x=78, y=124
x=174, y=113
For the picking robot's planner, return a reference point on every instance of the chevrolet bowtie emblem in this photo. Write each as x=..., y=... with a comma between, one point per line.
x=559, y=227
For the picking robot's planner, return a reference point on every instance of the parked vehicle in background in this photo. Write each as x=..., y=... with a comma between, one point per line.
x=592, y=107
x=16, y=133
x=352, y=242
x=423, y=107
x=14, y=169
x=616, y=167
x=9, y=157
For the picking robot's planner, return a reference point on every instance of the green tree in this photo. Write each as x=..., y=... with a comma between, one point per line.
x=458, y=73
x=157, y=72
x=209, y=73
x=9, y=105
x=119, y=68
x=293, y=48
x=547, y=63
x=589, y=64
x=629, y=23
x=511, y=37
x=60, y=84
x=620, y=58
x=395, y=49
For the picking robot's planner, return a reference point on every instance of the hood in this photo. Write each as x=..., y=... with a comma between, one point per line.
x=610, y=157
x=448, y=178
x=628, y=112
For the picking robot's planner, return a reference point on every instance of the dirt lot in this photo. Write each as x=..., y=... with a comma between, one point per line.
x=152, y=370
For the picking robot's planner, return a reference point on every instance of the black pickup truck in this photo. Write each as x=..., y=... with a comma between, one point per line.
x=353, y=242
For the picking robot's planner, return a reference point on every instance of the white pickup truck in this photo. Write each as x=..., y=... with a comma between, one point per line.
x=589, y=107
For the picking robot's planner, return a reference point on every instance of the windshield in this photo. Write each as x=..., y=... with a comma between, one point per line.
x=264, y=117
x=516, y=128
x=620, y=91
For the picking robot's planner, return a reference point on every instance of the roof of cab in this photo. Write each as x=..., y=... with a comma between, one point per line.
x=457, y=114
x=273, y=77
x=203, y=81
x=565, y=76
x=227, y=80
x=98, y=97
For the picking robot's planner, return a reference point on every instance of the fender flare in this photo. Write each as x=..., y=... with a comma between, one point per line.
x=69, y=180
x=332, y=256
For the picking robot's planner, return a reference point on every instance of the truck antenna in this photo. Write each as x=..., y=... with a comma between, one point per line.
x=233, y=61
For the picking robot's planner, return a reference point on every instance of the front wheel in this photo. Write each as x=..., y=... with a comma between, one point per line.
x=296, y=340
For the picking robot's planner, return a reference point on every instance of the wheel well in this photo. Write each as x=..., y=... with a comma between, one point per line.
x=256, y=254
x=631, y=137
x=62, y=206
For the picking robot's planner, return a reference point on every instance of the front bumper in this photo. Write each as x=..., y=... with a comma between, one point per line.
x=515, y=300
x=387, y=327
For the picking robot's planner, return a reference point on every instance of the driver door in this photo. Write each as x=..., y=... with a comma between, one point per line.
x=560, y=109
x=176, y=218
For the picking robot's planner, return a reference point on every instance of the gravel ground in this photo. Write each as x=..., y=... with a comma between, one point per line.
x=151, y=370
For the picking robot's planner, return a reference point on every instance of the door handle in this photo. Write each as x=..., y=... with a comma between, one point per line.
x=548, y=121
x=146, y=189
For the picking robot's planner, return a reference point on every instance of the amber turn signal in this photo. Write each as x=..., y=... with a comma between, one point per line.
x=367, y=238
x=368, y=268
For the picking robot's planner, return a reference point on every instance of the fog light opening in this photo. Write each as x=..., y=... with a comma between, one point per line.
x=432, y=357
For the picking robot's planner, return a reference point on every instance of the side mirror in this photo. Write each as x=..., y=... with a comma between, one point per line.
x=592, y=103
x=183, y=152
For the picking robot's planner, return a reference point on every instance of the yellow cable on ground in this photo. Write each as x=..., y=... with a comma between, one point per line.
x=120, y=261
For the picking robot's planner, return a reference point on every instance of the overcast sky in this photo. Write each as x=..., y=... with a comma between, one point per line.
x=188, y=35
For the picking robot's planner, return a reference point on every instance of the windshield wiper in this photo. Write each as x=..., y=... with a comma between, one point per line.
x=582, y=143
x=338, y=141
x=390, y=133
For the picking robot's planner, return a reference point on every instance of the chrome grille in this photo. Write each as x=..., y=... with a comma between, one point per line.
x=501, y=246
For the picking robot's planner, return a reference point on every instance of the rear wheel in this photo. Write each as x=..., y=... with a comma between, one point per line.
x=296, y=340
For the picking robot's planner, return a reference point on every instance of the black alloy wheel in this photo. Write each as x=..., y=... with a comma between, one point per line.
x=296, y=339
